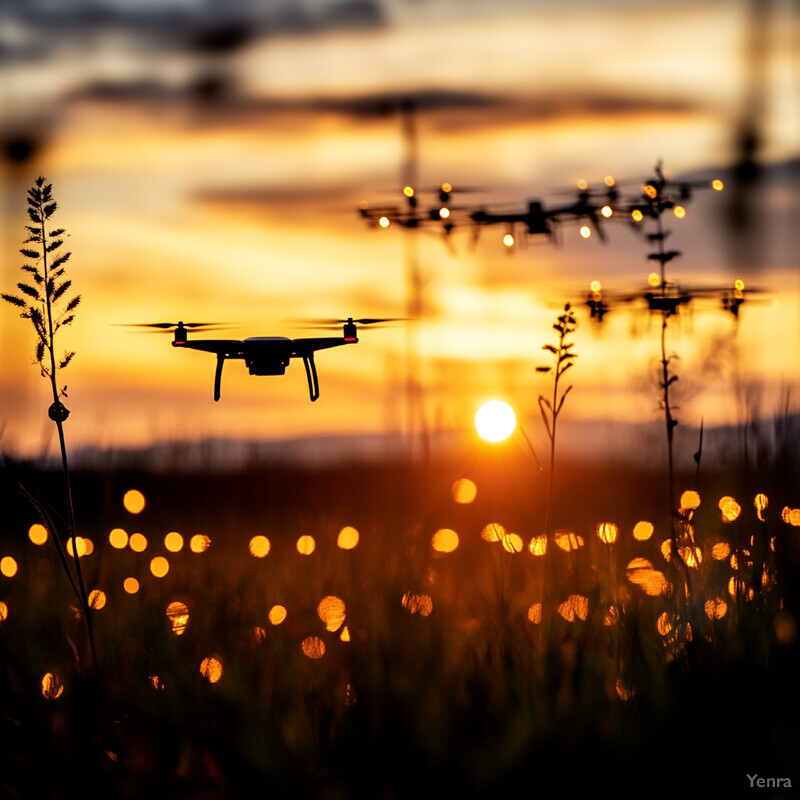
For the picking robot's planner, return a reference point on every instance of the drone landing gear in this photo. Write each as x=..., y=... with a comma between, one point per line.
x=311, y=375
x=218, y=376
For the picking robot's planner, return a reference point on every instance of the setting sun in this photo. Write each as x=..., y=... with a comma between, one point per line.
x=495, y=421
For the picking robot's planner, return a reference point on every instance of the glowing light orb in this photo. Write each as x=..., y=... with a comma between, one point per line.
x=637, y=215
x=508, y=240
x=133, y=501
x=653, y=279
x=444, y=212
x=495, y=421
x=493, y=532
x=464, y=491
x=585, y=231
x=52, y=688
x=384, y=222
x=277, y=614
x=199, y=543
x=535, y=613
x=717, y=185
x=690, y=499
x=138, y=542
x=178, y=614
x=211, y=669
x=609, y=180
x=37, y=533
x=408, y=191
x=331, y=610
x=306, y=545
x=444, y=540
x=173, y=541
x=512, y=543
x=642, y=530
x=8, y=566
x=421, y=604
x=118, y=538
x=348, y=538
x=130, y=585
x=159, y=566
x=538, y=545
x=607, y=211
x=595, y=286
x=730, y=508
x=313, y=647
x=679, y=212
x=259, y=546
x=97, y=599
x=607, y=531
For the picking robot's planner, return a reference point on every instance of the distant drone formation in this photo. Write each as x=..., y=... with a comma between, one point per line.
x=265, y=355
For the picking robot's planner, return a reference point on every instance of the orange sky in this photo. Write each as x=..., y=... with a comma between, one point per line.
x=244, y=210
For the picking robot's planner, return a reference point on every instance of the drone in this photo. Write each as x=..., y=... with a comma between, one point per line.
x=265, y=355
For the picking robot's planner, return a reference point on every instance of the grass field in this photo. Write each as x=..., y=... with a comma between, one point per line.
x=408, y=663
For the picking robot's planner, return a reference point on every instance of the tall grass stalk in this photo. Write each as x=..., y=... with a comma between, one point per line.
x=43, y=299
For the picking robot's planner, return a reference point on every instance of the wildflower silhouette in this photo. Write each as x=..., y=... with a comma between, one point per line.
x=550, y=409
x=44, y=299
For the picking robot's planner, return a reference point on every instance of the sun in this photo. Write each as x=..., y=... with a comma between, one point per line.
x=495, y=421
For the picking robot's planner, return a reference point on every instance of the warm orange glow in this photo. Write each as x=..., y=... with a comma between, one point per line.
x=277, y=614
x=97, y=599
x=495, y=421
x=130, y=585
x=730, y=509
x=679, y=212
x=666, y=549
x=607, y=211
x=118, y=538
x=133, y=501
x=538, y=545
x=444, y=212
x=313, y=647
x=173, y=542
x=535, y=613
x=716, y=609
x=178, y=615
x=720, y=551
x=607, y=531
x=690, y=500
x=641, y=573
x=493, y=532
x=609, y=181
x=8, y=566
x=761, y=502
x=306, y=545
x=421, y=604
x=344, y=636
x=653, y=279
x=199, y=543
x=259, y=546
x=137, y=542
x=692, y=556
x=611, y=617
x=576, y=606
x=794, y=517
x=211, y=669
x=447, y=188
x=384, y=222
x=582, y=184
x=512, y=542
x=738, y=284
x=508, y=240
x=348, y=538
x=331, y=610
x=637, y=215
x=651, y=191
x=3, y=612
x=464, y=491
x=642, y=530
x=595, y=286
x=717, y=185
x=567, y=540
x=585, y=231
x=37, y=533
x=159, y=566
x=664, y=624
x=445, y=540
x=408, y=191
x=85, y=546
x=52, y=688
x=156, y=683
x=623, y=692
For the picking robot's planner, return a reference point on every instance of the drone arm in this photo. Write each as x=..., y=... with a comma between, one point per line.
x=218, y=376
x=311, y=375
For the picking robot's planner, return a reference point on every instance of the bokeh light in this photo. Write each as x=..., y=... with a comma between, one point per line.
x=607, y=532
x=493, y=532
x=512, y=543
x=133, y=501
x=445, y=540
x=421, y=604
x=730, y=509
x=173, y=542
x=576, y=606
x=313, y=647
x=137, y=542
x=535, y=613
x=97, y=599
x=643, y=530
x=538, y=545
x=690, y=500
x=8, y=566
x=568, y=540
x=348, y=538
x=131, y=585
x=118, y=538
x=277, y=614
x=259, y=546
x=37, y=533
x=178, y=615
x=159, y=566
x=331, y=610
x=306, y=545
x=211, y=669
x=3, y=612
x=199, y=543
x=52, y=687
x=464, y=491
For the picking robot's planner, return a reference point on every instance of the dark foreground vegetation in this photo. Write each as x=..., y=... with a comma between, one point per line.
x=482, y=669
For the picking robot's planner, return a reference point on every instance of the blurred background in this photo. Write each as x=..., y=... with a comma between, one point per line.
x=210, y=159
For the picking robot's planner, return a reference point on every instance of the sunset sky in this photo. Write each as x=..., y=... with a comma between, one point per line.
x=209, y=160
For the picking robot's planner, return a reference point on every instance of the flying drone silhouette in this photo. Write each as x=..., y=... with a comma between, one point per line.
x=265, y=355
x=668, y=298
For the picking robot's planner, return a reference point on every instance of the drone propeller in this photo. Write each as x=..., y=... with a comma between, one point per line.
x=334, y=324
x=168, y=327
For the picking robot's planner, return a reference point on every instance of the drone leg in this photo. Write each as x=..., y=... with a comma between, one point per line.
x=218, y=376
x=311, y=374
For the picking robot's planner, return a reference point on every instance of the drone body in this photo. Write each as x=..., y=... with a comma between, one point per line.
x=265, y=355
